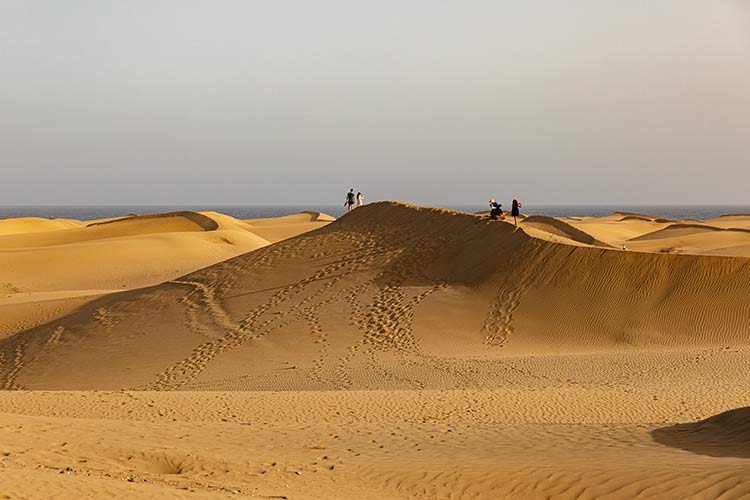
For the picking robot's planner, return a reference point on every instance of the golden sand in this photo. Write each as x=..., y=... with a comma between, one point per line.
x=399, y=352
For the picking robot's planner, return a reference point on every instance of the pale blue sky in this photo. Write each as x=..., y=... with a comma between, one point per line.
x=588, y=101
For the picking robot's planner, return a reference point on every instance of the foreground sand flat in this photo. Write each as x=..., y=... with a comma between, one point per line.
x=400, y=352
x=373, y=445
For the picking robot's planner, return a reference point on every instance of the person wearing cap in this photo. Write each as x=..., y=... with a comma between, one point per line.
x=496, y=210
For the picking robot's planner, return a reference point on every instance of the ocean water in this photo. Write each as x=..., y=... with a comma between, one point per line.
x=701, y=212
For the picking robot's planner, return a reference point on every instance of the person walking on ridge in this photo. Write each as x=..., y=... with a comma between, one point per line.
x=360, y=199
x=349, y=203
x=515, y=211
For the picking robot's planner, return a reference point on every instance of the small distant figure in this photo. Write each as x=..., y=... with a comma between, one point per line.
x=515, y=211
x=496, y=210
x=349, y=203
x=360, y=199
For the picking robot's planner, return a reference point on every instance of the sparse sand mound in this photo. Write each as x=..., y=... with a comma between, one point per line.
x=319, y=216
x=553, y=226
x=431, y=291
x=202, y=221
x=684, y=229
x=35, y=225
x=48, y=270
x=731, y=221
x=721, y=236
x=622, y=216
x=140, y=225
x=306, y=216
x=730, y=217
x=695, y=239
x=280, y=228
x=646, y=219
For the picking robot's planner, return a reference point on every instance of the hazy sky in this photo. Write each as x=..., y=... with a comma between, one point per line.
x=579, y=101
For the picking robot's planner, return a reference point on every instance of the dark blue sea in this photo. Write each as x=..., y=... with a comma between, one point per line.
x=259, y=211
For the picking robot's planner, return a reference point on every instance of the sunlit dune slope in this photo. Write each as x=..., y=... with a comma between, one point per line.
x=548, y=227
x=35, y=224
x=389, y=296
x=695, y=239
x=736, y=221
x=280, y=228
x=47, y=266
x=124, y=253
x=726, y=235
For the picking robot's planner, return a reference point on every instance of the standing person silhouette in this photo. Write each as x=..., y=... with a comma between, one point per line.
x=349, y=203
x=360, y=199
x=515, y=211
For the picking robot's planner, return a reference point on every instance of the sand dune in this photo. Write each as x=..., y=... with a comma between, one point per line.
x=727, y=235
x=117, y=228
x=280, y=228
x=697, y=239
x=686, y=229
x=399, y=352
x=547, y=227
x=379, y=282
x=127, y=252
x=35, y=224
x=615, y=231
x=50, y=261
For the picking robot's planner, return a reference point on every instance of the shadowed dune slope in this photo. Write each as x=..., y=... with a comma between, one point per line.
x=388, y=296
x=724, y=435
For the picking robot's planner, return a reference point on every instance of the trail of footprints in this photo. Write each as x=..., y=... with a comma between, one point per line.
x=251, y=327
x=385, y=319
x=386, y=322
x=498, y=325
x=11, y=368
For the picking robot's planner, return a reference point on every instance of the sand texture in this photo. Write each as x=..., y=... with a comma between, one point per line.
x=48, y=268
x=399, y=352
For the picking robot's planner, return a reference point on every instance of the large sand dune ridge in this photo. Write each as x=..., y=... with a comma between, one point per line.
x=437, y=288
x=398, y=352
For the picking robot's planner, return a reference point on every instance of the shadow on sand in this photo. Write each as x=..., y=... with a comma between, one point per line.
x=724, y=435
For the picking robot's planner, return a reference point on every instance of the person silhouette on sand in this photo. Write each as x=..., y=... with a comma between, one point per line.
x=349, y=203
x=515, y=211
x=360, y=199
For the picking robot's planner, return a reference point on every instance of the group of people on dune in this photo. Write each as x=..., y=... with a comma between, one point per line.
x=353, y=200
x=496, y=210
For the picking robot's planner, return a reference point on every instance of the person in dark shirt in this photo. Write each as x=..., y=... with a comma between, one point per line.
x=515, y=211
x=496, y=210
x=350, y=200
